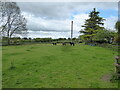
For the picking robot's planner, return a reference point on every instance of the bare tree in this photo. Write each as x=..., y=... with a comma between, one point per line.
x=12, y=22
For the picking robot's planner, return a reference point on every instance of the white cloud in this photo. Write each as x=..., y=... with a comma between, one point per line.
x=54, y=19
x=39, y=27
x=63, y=10
x=110, y=22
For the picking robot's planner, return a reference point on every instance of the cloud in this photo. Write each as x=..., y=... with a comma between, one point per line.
x=59, y=10
x=54, y=28
x=41, y=34
x=54, y=19
x=110, y=22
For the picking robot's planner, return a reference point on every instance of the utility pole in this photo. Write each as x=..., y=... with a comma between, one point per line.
x=71, y=30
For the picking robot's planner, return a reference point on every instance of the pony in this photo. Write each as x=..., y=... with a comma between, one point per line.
x=54, y=43
x=64, y=44
x=72, y=43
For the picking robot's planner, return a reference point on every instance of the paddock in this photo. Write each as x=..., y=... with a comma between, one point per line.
x=45, y=65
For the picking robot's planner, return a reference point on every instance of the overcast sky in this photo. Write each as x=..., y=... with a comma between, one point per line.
x=53, y=19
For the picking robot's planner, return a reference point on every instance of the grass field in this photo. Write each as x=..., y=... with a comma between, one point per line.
x=47, y=66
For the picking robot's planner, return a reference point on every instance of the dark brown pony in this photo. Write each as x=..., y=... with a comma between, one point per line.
x=64, y=44
x=72, y=43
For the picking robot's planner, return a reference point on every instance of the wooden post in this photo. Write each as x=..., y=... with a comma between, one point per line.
x=71, y=30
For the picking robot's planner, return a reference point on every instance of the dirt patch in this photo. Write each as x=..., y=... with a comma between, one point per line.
x=106, y=77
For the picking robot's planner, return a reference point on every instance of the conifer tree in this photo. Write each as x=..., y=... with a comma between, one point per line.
x=92, y=25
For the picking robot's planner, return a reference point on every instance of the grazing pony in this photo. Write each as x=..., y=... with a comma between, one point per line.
x=72, y=43
x=64, y=44
x=54, y=43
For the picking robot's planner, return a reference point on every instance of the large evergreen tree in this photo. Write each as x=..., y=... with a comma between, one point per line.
x=92, y=25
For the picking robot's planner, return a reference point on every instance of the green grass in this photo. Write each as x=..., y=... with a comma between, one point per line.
x=44, y=65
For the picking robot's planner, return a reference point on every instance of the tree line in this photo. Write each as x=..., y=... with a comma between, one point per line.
x=19, y=41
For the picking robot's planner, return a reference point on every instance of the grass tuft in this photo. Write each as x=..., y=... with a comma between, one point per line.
x=12, y=65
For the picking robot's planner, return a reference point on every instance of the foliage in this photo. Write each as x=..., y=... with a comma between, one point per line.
x=42, y=39
x=117, y=25
x=105, y=35
x=12, y=22
x=117, y=37
x=61, y=38
x=13, y=41
x=92, y=25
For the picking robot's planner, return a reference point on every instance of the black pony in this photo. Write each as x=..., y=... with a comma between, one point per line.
x=72, y=43
x=54, y=43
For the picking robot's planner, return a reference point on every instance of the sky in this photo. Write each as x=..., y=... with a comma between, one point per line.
x=53, y=19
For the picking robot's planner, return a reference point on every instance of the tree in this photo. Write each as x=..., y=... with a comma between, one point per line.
x=105, y=35
x=12, y=22
x=117, y=37
x=92, y=25
x=117, y=26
